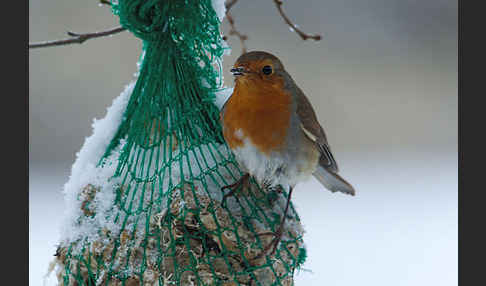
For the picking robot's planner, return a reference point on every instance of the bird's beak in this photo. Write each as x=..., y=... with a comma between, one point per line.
x=237, y=71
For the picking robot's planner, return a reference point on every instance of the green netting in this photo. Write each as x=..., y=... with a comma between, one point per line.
x=167, y=223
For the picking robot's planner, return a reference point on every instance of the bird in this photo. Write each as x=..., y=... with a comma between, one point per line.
x=272, y=130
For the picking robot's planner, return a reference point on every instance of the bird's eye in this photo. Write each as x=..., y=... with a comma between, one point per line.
x=267, y=70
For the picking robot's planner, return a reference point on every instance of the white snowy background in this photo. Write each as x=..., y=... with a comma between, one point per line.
x=383, y=81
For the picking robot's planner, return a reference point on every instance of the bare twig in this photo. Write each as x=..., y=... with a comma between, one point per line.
x=292, y=26
x=233, y=31
x=76, y=38
x=227, y=5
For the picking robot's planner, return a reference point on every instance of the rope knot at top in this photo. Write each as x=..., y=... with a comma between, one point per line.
x=147, y=19
x=181, y=20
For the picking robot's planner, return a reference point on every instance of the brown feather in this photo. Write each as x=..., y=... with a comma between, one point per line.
x=308, y=117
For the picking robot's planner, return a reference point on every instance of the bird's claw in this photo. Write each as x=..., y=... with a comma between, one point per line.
x=273, y=244
x=234, y=187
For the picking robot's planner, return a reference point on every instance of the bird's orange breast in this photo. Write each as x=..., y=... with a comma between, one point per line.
x=261, y=111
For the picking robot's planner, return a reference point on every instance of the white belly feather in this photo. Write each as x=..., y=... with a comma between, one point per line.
x=277, y=168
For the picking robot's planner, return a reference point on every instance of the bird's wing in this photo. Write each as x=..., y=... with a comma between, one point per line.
x=313, y=130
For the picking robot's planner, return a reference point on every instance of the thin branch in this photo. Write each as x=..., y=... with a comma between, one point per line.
x=233, y=31
x=292, y=26
x=227, y=5
x=76, y=38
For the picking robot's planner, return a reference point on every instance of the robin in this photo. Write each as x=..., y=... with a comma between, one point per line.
x=272, y=129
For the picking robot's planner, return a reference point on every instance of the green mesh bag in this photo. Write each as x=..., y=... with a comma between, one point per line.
x=144, y=200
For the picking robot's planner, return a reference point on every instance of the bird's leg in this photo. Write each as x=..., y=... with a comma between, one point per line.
x=278, y=233
x=235, y=186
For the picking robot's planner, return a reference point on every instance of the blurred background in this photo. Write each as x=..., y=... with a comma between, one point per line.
x=383, y=81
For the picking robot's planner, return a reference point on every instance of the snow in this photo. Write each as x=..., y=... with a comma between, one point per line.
x=395, y=231
x=222, y=96
x=219, y=7
x=85, y=171
x=224, y=92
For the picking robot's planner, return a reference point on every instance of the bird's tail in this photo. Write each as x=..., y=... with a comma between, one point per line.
x=332, y=181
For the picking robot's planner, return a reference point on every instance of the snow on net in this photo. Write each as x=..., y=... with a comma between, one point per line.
x=144, y=199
